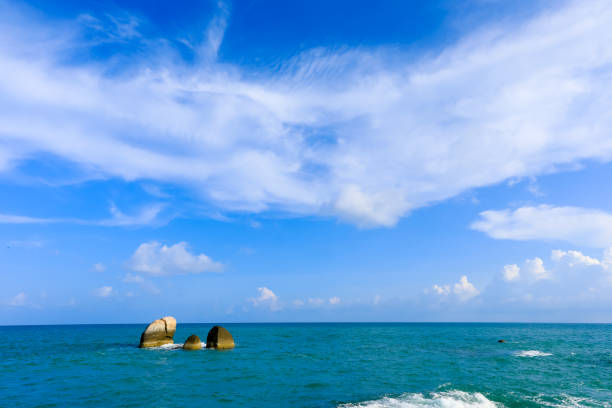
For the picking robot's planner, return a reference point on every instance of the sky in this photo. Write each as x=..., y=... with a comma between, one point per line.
x=273, y=161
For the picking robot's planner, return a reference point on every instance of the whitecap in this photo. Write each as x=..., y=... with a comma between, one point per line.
x=446, y=399
x=532, y=353
x=568, y=401
x=171, y=346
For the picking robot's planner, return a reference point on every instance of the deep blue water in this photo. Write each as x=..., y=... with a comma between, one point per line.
x=311, y=365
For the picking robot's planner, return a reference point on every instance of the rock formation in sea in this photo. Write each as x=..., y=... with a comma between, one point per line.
x=193, y=342
x=158, y=333
x=219, y=338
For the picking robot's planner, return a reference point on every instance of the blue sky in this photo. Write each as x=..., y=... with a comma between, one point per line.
x=305, y=161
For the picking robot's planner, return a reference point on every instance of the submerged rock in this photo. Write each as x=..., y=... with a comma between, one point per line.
x=193, y=342
x=501, y=341
x=158, y=333
x=219, y=338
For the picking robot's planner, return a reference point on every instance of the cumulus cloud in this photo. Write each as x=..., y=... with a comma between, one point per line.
x=562, y=262
x=334, y=300
x=441, y=290
x=581, y=226
x=463, y=290
x=571, y=280
x=266, y=298
x=154, y=258
x=535, y=268
x=104, y=291
x=363, y=135
x=18, y=300
x=511, y=272
x=573, y=258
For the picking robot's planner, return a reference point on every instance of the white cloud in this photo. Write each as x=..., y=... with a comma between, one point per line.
x=146, y=216
x=266, y=298
x=99, y=267
x=581, y=226
x=572, y=281
x=400, y=132
x=464, y=289
x=156, y=259
x=441, y=290
x=19, y=219
x=298, y=303
x=535, y=267
x=104, y=291
x=334, y=300
x=511, y=272
x=18, y=300
x=573, y=257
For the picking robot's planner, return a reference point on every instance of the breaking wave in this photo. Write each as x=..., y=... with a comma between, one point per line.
x=446, y=399
x=531, y=353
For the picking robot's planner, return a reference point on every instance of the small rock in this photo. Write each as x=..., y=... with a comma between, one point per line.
x=193, y=342
x=219, y=338
x=501, y=341
x=158, y=333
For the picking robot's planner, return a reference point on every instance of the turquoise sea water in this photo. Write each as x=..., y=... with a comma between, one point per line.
x=311, y=365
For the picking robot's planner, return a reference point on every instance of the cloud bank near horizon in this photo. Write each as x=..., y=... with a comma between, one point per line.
x=364, y=135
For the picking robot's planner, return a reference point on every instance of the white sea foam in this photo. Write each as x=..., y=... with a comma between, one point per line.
x=531, y=353
x=173, y=346
x=568, y=401
x=446, y=399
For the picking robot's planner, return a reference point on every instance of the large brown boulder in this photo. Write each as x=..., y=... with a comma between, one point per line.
x=193, y=342
x=219, y=338
x=158, y=333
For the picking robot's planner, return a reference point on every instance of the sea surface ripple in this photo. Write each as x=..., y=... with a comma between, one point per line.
x=311, y=365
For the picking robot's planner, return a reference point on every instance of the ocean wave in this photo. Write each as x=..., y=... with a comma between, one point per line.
x=446, y=399
x=568, y=401
x=532, y=353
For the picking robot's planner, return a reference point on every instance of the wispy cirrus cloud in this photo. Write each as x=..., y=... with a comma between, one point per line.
x=365, y=135
x=148, y=215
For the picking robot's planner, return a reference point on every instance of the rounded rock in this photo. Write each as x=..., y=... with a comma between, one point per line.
x=219, y=338
x=193, y=342
x=501, y=341
x=158, y=333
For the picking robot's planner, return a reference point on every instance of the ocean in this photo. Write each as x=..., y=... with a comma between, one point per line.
x=311, y=365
